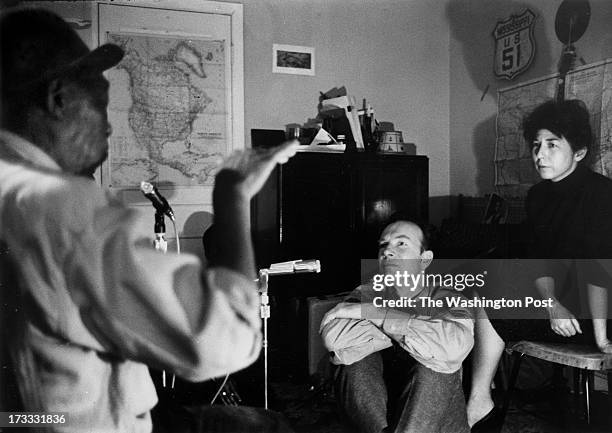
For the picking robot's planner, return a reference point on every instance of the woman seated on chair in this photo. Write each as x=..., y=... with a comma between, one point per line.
x=570, y=215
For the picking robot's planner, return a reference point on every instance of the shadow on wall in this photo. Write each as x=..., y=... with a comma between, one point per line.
x=6, y=4
x=471, y=24
x=483, y=143
x=195, y=226
x=197, y=223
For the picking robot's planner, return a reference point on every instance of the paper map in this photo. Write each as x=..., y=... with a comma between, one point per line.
x=168, y=110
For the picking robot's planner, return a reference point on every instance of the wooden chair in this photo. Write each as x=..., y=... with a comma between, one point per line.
x=585, y=360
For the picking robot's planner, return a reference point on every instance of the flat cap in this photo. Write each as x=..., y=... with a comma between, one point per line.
x=37, y=46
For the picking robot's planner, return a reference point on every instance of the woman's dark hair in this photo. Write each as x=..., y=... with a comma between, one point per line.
x=566, y=119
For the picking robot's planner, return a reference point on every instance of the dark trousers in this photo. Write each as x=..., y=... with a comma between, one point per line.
x=389, y=391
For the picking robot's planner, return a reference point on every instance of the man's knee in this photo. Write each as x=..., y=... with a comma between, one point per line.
x=370, y=366
x=361, y=394
x=437, y=393
x=432, y=401
x=432, y=380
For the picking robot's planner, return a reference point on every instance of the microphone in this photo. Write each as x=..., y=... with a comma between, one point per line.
x=158, y=200
x=293, y=267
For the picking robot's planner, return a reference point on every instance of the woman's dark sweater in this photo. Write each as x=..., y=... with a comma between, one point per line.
x=571, y=218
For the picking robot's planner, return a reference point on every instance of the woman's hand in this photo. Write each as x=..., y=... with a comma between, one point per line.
x=562, y=321
x=605, y=346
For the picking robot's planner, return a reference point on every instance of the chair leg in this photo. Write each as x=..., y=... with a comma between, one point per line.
x=610, y=398
x=587, y=396
x=576, y=388
x=516, y=365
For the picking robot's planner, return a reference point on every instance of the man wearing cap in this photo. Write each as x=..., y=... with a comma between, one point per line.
x=91, y=304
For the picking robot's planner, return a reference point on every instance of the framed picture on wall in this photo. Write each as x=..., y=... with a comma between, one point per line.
x=293, y=59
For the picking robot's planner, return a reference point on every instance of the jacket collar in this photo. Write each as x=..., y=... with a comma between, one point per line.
x=16, y=148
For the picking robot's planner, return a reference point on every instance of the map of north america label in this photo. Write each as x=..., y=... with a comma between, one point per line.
x=168, y=111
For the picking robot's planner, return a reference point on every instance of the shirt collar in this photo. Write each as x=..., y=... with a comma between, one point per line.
x=16, y=148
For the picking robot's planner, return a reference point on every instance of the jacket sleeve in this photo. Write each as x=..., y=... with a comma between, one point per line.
x=162, y=309
x=350, y=340
x=98, y=283
x=440, y=341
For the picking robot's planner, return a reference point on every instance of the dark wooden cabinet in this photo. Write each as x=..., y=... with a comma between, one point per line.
x=332, y=207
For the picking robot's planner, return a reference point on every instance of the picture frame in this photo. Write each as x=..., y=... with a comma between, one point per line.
x=176, y=48
x=293, y=59
x=201, y=33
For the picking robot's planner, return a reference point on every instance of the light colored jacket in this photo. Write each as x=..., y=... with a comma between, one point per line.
x=438, y=338
x=101, y=304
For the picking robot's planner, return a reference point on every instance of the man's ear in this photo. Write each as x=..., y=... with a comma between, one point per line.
x=57, y=97
x=426, y=258
x=580, y=154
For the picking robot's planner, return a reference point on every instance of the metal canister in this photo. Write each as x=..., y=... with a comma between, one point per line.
x=390, y=141
x=392, y=137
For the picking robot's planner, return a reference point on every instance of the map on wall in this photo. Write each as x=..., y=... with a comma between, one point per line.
x=513, y=165
x=168, y=110
x=591, y=83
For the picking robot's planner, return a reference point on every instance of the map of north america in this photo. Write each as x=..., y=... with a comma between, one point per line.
x=167, y=110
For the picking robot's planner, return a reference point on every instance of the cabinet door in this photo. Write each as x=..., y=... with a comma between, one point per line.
x=388, y=184
x=316, y=219
x=332, y=207
x=265, y=207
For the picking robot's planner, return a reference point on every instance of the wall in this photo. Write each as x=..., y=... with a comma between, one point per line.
x=472, y=113
x=394, y=53
x=424, y=65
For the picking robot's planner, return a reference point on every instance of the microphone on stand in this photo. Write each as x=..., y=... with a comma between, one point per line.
x=283, y=268
x=160, y=244
x=293, y=267
x=158, y=200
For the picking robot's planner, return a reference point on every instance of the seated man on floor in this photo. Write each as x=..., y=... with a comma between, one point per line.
x=400, y=369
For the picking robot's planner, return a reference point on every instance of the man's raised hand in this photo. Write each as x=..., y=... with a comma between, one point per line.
x=252, y=167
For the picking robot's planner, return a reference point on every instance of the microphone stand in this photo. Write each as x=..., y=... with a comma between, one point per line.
x=264, y=312
x=264, y=308
x=161, y=244
x=159, y=228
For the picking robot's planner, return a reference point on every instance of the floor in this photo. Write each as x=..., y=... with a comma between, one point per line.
x=310, y=407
